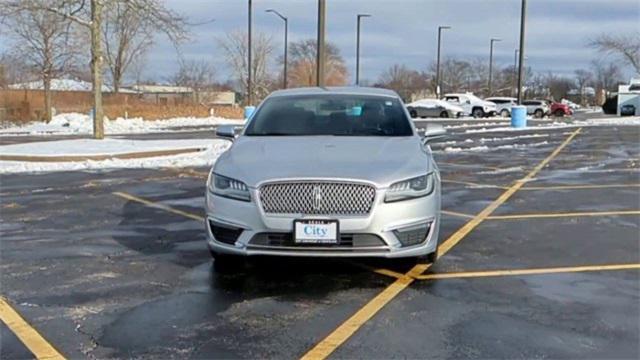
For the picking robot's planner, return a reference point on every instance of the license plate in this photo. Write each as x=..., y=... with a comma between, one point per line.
x=315, y=231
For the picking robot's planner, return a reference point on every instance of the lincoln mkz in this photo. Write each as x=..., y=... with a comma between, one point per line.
x=326, y=172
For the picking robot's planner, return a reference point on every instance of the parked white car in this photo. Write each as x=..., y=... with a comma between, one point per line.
x=434, y=108
x=537, y=108
x=472, y=104
x=503, y=104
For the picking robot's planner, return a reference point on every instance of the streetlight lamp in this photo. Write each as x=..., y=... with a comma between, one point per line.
x=249, y=55
x=360, y=16
x=286, y=31
x=440, y=28
x=491, y=63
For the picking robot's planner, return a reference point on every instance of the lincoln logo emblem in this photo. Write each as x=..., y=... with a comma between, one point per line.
x=317, y=198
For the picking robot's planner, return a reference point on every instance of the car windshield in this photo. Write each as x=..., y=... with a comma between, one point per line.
x=330, y=114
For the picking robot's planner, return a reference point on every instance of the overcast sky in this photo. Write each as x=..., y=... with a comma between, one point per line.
x=405, y=31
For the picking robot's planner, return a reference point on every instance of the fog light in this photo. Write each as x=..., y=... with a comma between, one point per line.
x=225, y=233
x=412, y=235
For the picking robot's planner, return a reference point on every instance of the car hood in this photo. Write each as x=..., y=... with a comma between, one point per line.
x=489, y=104
x=381, y=160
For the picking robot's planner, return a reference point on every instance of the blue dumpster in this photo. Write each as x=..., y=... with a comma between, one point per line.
x=248, y=111
x=519, y=116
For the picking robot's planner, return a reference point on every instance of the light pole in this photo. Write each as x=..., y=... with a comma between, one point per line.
x=523, y=17
x=286, y=33
x=440, y=28
x=515, y=71
x=249, y=56
x=322, y=10
x=360, y=16
x=491, y=63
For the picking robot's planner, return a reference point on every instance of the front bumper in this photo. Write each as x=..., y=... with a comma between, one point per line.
x=244, y=229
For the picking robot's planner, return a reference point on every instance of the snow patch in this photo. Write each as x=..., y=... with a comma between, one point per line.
x=76, y=123
x=502, y=171
x=213, y=149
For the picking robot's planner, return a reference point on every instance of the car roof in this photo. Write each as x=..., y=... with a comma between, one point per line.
x=348, y=90
x=501, y=98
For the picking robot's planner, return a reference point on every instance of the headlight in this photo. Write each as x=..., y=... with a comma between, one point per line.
x=411, y=188
x=227, y=187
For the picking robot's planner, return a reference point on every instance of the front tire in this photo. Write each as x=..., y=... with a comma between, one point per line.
x=538, y=114
x=413, y=113
x=559, y=113
x=444, y=114
x=477, y=113
x=505, y=113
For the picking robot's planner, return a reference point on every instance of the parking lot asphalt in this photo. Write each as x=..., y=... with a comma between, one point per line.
x=541, y=259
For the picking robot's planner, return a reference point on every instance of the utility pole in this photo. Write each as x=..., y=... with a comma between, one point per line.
x=96, y=68
x=286, y=32
x=360, y=16
x=440, y=28
x=249, y=63
x=523, y=17
x=320, y=51
x=491, y=64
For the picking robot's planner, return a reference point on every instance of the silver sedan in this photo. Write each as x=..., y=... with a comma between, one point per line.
x=326, y=172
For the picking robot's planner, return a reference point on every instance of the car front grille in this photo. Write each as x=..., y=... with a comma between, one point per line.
x=317, y=198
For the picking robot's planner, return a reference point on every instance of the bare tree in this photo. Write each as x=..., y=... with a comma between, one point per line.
x=45, y=44
x=90, y=15
x=606, y=75
x=199, y=75
x=234, y=45
x=627, y=47
x=583, y=79
x=302, y=64
x=403, y=80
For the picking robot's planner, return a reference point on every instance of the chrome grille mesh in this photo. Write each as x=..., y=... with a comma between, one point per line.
x=317, y=198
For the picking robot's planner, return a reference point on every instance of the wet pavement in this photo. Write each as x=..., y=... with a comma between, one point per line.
x=101, y=276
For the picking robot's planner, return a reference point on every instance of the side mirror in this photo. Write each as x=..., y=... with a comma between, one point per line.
x=433, y=132
x=226, y=132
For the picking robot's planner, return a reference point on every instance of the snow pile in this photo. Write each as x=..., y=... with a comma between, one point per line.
x=509, y=138
x=487, y=148
x=213, y=149
x=75, y=123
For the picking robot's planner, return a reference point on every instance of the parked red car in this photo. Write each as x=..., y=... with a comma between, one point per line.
x=559, y=109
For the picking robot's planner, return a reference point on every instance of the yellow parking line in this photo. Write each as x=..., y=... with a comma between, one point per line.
x=29, y=336
x=158, y=206
x=345, y=330
x=560, y=215
x=518, y=272
x=455, y=213
x=579, y=187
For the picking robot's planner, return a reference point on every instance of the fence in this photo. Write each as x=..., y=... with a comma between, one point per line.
x=19, y=106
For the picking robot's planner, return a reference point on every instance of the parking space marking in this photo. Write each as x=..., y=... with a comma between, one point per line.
x=345, y=330
x=474, y=184
x=457, y=214
x=579, y=187
x=29, y=336
x=519, y=272
x=158, y=206
x=561, y=215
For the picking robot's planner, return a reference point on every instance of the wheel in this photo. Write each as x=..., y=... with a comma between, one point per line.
x=505, y=113
x=413, y=113
x=538, y=114
x=559, y=113
x=477, y=113
x=444, y=114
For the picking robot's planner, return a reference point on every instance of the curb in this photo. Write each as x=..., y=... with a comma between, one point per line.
x=70, y=158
